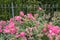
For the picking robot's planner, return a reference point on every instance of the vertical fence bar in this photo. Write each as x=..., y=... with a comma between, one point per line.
x=16, y=11
x=56, y=7
x=45, y=7
x=12, y=10
x=5, y=10
x=9, y=11
x=2, y=8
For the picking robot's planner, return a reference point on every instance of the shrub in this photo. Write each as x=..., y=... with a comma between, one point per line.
x=28, y=27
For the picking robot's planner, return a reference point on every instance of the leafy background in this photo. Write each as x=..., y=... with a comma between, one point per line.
x=25, y=5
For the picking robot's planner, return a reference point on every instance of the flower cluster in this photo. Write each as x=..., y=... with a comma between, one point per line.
x=51, y=31
x=29, y=27
x=21, y=26
x=2, y=24
x=10, y=28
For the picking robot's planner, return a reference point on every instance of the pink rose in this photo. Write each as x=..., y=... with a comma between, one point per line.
x=44, y=30
x=11, y=25
x=3, y=22
x=40, y=9
x=24, y=38
x=30, y=15
x=36, y=15
x=33, y=18
x=13, y=30
x=6, y=30
x=0, y=27
x=11, y=20
x=17, y=18
x=17, y=35
x=0, y=30
x=22, y=34
x=6, y=27
x=21, y=13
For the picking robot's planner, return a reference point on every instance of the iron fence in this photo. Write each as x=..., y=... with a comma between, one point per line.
x=10, y=10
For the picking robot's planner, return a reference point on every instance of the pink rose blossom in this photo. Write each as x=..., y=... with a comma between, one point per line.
x=17, y=28
x=30, y=15
x=40, y=8
x=24, y=38
x=17, y=18
x=11, y=20
x=30, y=34
x=17, y=35
x=33, y=18
x=44, y=30
x=6, y=27
x=50, y=37
x=27, y=30
x=45, y=24
x=36, y=15
x=0, y=30
x=21, y=22
x=13, y=30
x=11, y=25
x=21, y=13
x=3, y=22
x=6, y=30
x=57, y=37
x=22, y=34
x=0, y=27
x=53, y=30
x=31, y=29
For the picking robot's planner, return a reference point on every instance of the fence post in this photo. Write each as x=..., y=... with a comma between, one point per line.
x=12, y=10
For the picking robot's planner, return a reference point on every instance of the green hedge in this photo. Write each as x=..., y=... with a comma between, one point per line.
x=7, y=12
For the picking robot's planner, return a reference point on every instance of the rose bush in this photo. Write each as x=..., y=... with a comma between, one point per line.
x=28, y=27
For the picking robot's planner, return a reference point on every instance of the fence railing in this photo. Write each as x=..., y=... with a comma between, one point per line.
x=10, y=10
